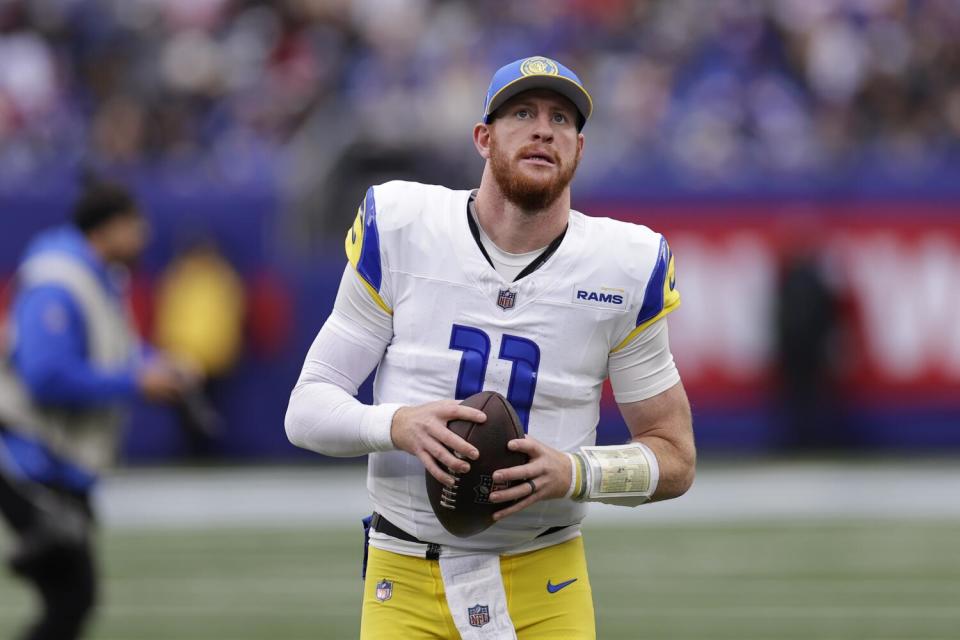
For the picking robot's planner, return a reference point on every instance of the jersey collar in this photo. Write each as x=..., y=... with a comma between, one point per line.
x=551, y=274
x=534, y=264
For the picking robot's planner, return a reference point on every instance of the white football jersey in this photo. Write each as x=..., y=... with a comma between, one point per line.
x=459, y=328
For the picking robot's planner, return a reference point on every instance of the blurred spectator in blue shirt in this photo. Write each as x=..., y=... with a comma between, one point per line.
x=73, y=361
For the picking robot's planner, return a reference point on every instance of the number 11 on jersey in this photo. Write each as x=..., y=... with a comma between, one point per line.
x=524, y=355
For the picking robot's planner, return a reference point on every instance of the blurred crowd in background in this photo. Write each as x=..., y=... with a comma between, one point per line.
x=716, y=90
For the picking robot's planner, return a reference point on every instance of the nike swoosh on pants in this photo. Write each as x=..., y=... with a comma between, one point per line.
x=553, y=588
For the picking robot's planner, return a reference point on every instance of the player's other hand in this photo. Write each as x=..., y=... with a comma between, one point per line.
x=548, y=468
x=421, y=430
x=159, y=381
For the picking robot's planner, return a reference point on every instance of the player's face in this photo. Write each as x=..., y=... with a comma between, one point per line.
x=535, y=148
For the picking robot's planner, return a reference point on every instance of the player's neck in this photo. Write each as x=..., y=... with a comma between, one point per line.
x=515, y=230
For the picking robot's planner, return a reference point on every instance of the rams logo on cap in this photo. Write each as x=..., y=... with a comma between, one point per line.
x=539, y=66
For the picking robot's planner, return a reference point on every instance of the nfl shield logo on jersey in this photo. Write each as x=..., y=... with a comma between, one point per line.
x=384, y=590
x=479, y=615
x=506, y=299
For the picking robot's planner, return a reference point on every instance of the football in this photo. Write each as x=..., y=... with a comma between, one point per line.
x=465, y=509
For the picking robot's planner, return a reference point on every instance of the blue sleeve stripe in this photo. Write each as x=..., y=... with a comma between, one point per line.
x=653, y=295
x=369, y=264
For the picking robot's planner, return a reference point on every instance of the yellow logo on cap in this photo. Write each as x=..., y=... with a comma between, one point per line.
x=539, y=66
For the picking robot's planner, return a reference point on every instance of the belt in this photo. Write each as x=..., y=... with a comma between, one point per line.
x=382, y=525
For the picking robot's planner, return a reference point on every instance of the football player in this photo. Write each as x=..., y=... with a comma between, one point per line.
x=505, y=288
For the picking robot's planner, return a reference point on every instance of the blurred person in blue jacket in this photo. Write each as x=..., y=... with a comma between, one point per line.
x=71, y=363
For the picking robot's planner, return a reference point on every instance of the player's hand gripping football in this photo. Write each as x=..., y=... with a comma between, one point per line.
x=545, y=477
x=422, y=431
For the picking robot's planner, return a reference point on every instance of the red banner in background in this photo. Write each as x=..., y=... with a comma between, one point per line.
x=895, y=267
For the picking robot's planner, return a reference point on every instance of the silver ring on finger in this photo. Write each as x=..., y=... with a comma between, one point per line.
x=533, y=486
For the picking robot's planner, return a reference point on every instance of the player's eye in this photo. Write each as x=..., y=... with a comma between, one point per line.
x=523, y=114
x=559, y=118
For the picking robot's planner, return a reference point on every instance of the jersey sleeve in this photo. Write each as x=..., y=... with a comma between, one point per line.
x=644, y=367
x=323, y=414
x=660, y=295
x=365, y=254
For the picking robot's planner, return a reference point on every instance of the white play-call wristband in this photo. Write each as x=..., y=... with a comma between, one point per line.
x=620, y=474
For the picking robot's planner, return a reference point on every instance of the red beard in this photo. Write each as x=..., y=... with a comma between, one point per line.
x=529, y=193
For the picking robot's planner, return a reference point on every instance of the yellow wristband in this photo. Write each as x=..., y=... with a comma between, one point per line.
x=575, y=476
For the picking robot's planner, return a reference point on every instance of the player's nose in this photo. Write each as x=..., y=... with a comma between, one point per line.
x=542, y=131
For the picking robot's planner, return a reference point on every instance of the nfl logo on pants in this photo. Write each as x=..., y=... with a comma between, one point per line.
x=479, y=615
x=384, y=590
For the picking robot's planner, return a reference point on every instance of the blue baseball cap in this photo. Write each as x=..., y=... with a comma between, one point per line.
x=536, y=73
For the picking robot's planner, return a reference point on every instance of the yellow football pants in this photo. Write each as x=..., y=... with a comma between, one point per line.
x=548, y=596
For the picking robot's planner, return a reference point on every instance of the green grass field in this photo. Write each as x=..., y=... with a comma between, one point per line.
x=829, y=579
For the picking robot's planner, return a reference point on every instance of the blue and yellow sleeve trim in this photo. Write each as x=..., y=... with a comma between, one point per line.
x=660, y=297
x=363, y=249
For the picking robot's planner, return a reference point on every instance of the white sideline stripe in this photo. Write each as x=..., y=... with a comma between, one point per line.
x=336, y=496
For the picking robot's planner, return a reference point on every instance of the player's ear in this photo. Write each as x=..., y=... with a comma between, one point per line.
x=580, y=143
x=481, y=139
